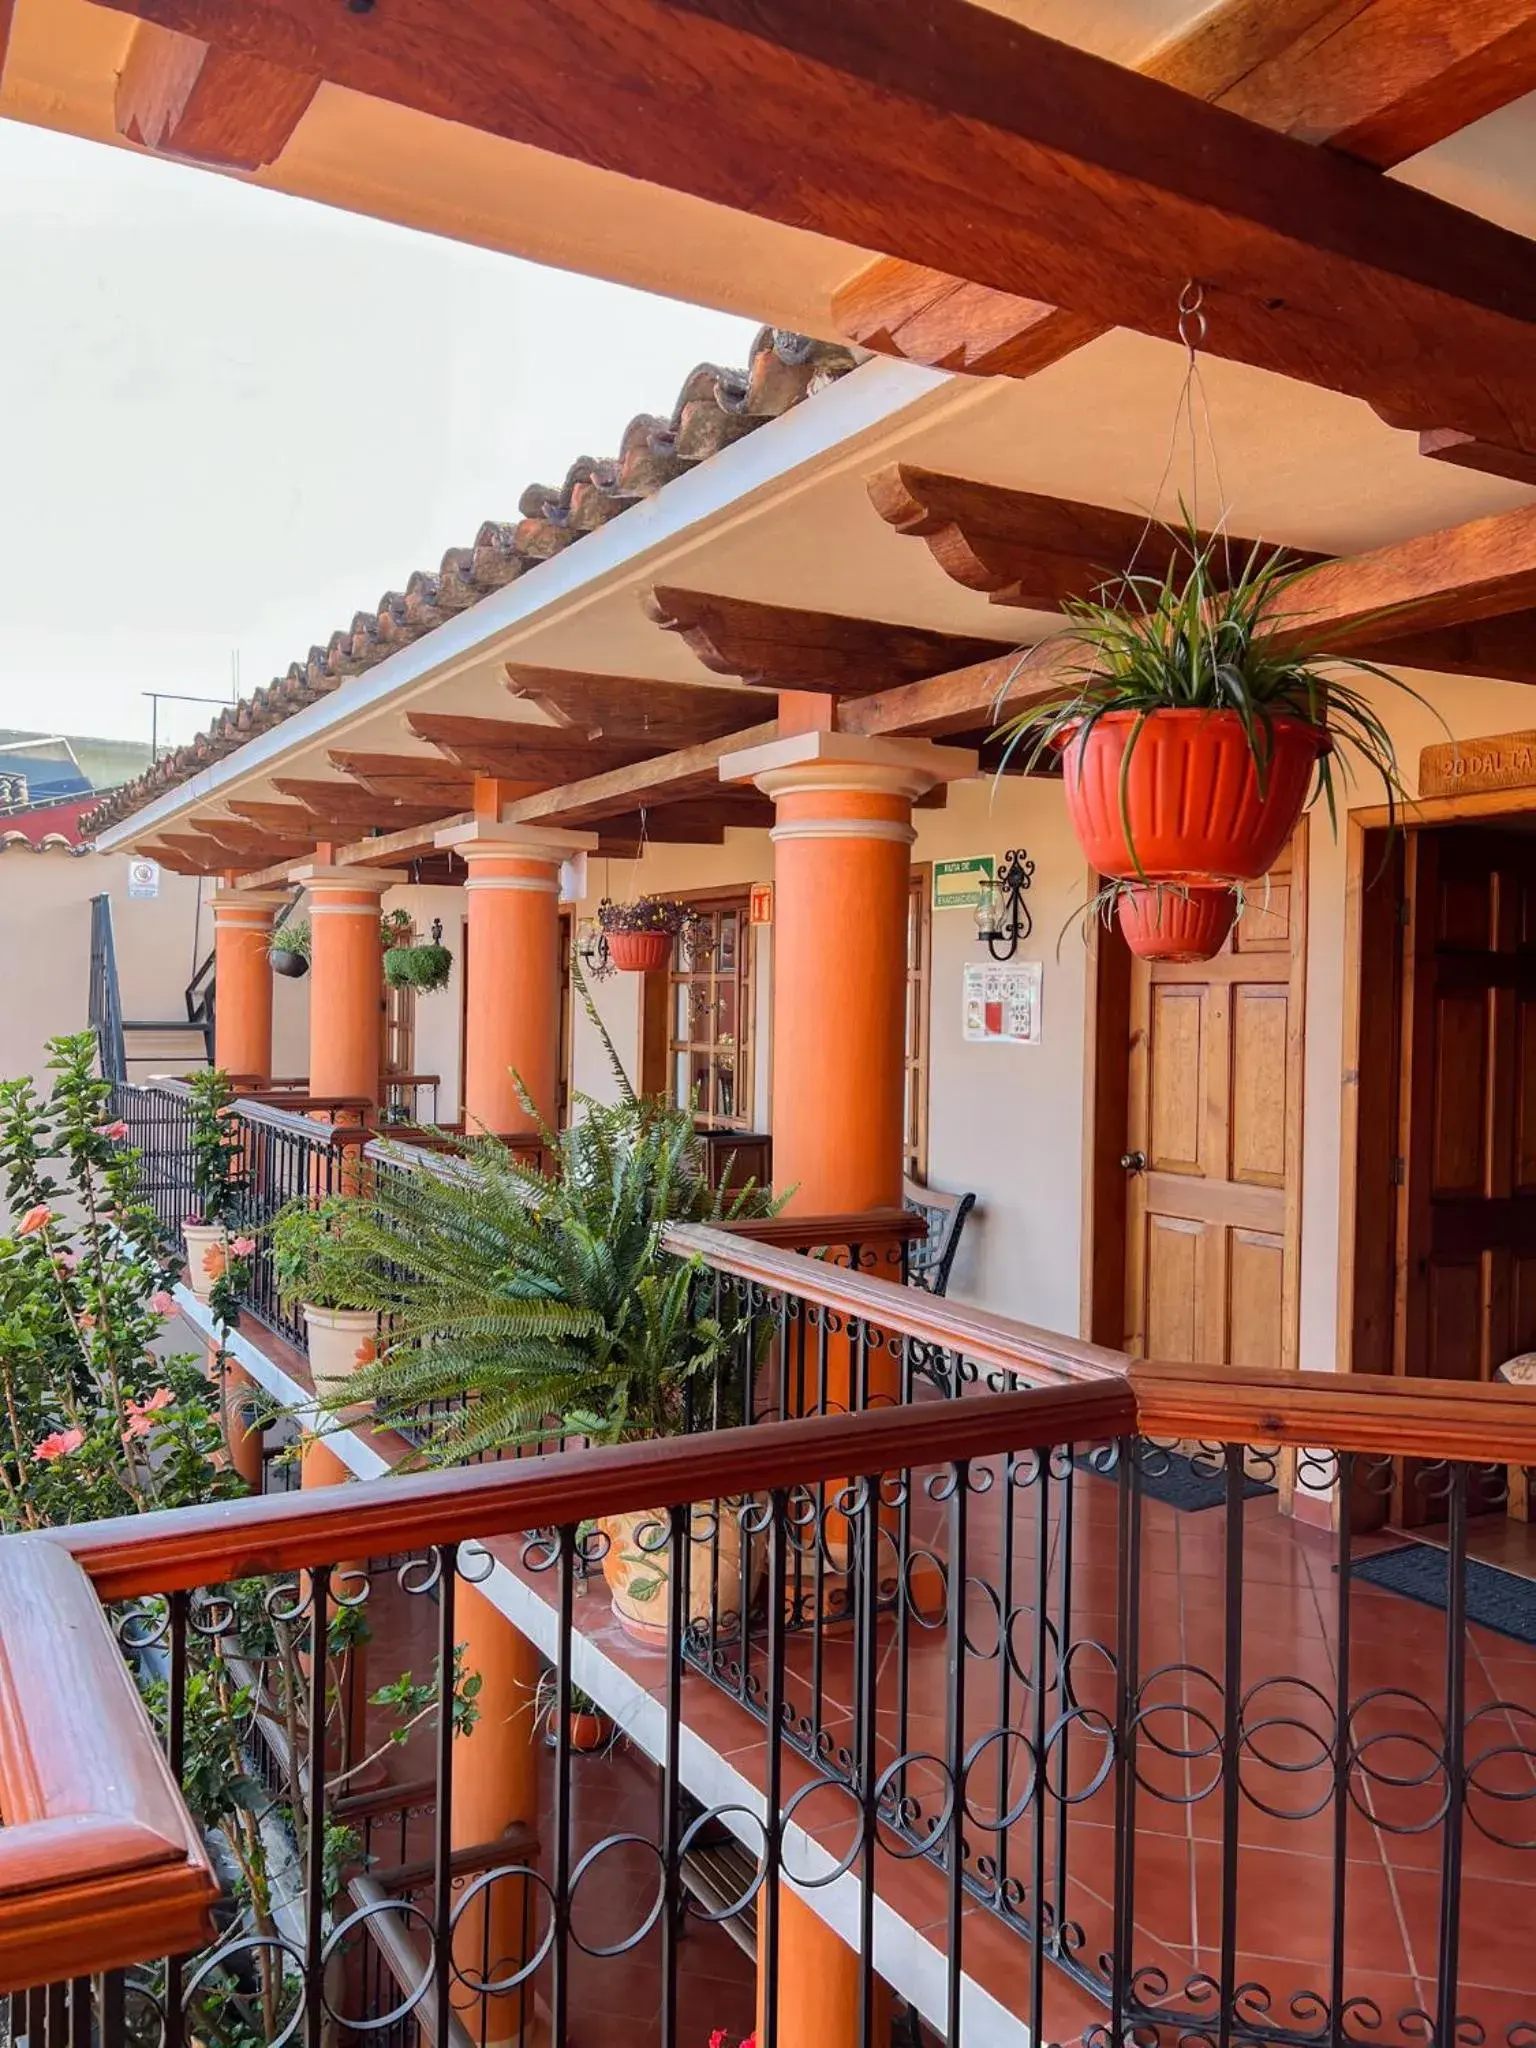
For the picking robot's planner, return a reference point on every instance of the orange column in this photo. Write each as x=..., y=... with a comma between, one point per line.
x=842, y=867
x=242, y=1011
x=512, y=1034
x=346, y=978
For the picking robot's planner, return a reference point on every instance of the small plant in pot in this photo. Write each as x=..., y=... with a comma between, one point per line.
x=218, y=1179
x=319, y=1263
x=588, y=1728
x=641, y=934
x=425, y=968
x=1198, y=724
x=289, y=948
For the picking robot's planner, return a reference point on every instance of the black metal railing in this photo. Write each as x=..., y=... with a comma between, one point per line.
x=285, y=1156
x=159, y=1120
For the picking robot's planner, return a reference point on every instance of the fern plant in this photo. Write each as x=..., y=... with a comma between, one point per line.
x=538, y=1306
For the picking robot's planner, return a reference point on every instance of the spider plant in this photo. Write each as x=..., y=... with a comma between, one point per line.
x=1216, y=631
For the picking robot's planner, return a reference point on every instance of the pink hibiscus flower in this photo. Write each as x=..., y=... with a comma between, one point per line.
x=35, y=1219
x=87, y=1320
x=113, y=1130
x=162, y=1303
x=141, y=1414
x=242, y=1247
x=59, y=1445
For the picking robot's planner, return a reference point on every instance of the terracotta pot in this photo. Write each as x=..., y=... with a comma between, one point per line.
x=639, y=952
x=206, y=1255
x=639, y=1578
x=1165, y=922
x=590, y=1732
x=1191, y=796
x=339, y=1341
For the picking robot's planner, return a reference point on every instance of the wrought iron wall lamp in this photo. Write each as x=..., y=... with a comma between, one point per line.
x=1002, y=915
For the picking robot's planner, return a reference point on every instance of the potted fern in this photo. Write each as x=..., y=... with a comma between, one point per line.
x=425, y=968
x=1200, y=720
x=289, y=948
x=317, y=1266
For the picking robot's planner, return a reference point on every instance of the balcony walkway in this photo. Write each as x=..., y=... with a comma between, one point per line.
x=1273, y=1890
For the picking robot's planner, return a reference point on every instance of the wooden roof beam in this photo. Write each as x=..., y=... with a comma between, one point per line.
x=632, y=711
x=184, y=98
x=778, y=647
x=1021, y=548
x=924, y=131
x=345, y=804
x=1374, y=79
x=516, y=750
x=689, y=773
x=405, y=778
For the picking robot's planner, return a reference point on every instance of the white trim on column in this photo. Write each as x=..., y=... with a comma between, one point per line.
x=846, y=828
x=536, y=883
x=344, y=910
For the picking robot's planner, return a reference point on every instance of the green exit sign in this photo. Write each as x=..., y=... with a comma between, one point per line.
x=958, y=884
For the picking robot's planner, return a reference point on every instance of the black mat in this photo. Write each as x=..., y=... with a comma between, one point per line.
x=1497, y=1600
x=1177, y=1481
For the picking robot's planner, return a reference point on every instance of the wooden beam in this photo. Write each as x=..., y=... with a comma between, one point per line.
x=691, y=772
x=1503, y=649
x=1379, y=79
x=172, y=857
x=7, y=9
x=406, y=778
x=777, y=647
x=281, y=819
x=634, y=711
x=517, y=750
x=1021, y=548
x=387, y=847
x=181, y=97
x=346, y=805
x=920, y=131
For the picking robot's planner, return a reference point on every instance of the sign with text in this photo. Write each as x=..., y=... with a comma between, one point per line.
x=1002, y=1003
x=1504, y=760
x=143, y=879
x=957, y=884
x=760, y=909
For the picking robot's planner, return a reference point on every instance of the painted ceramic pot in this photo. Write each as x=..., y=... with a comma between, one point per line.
x=639, y=952
x=1168, y=922
x=637, y=1567
x=590, y=1733
x=1191, y=797
x=339, y=1341
x=207, y=1255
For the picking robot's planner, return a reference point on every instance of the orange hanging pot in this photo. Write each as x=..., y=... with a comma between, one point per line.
x=639, y=952
x=1191, y=798
x=1163, y=921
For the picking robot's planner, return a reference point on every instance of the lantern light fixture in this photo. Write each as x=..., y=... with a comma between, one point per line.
x=1002, y=915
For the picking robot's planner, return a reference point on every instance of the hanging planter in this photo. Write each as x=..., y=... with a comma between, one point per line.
x=424, y=968
x=1199, y=724
x=641, y=934
x=289, y=949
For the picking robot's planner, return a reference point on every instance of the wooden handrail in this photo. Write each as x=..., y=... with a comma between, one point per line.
x=294, y=1116
x=99, y=1862
x=869, y=1227
x=181, y=1548
x=1029, y=1355
x=1415, y=1418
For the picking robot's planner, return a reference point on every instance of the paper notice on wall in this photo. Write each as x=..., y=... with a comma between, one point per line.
x=1002, y=1003
x=143, y=878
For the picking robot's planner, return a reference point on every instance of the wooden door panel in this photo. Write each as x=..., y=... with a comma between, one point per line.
x=1458, y=1161
x=1176, y=1256
x=1175, y=1125
x=1454, y=1323
x=1523, y=1152
x=1255, y=1299
x=1266, y=923
x=1260, y=1019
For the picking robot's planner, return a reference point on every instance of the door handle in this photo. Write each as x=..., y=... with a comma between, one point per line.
x=1134, y=1162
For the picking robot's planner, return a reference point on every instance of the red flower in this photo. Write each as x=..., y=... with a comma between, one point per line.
x=59, y=1445
x=243, y=1247
x=113, y=1130
x=141, y=1413
x=35, y=1220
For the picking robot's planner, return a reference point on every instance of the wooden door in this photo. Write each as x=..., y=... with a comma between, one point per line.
x=1214, y=1152
x=1466, y=1280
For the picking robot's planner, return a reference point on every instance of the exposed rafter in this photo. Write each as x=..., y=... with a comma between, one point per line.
x=348, y=805
x=632, y=711
x=777, y=647
x=405, y=778
x=692, y=772
x=1377, y=79
x=516, y=750
x=922, y=132
x=181, y=97
x=281, y=820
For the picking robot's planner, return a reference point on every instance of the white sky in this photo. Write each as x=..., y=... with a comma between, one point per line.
x=232, y=419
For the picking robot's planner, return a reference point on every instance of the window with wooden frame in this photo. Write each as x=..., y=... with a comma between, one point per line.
x=919, y=946
x=710, y=1051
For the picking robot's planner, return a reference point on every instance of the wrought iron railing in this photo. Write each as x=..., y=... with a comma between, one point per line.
x=159, y=1120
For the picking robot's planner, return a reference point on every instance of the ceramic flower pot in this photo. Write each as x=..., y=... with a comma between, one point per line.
x=1191, y=794
x=340, y=1340
x=590, y=1733
x=207, y=1246
x=639, y=952
x=640, y=1577
x=293, y=965
x=1163, y=922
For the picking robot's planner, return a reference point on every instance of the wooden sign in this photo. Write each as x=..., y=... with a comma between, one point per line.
x=1504, y=760
x=761, y=903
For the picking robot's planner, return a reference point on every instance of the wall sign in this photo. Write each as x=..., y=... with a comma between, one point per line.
x=143, y=879
x=1002, y=1003
x=1504, y=760
x=959, y=884
x=760, y=910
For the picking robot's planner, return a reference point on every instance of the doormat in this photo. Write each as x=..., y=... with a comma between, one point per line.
x=1176, y=1480
x=1498, y=1600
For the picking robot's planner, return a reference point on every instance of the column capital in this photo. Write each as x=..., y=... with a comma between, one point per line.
x=483, y=839
x=805, y=762
x=322, y=875
x=259, y=905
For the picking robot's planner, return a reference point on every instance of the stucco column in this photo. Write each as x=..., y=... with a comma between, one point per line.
x=841, y=870
x=512, y=1034
x=346, y=978
x=242, y=980
x=842, y=845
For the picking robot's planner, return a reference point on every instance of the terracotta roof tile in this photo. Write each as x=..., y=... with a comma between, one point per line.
x=714, y=407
